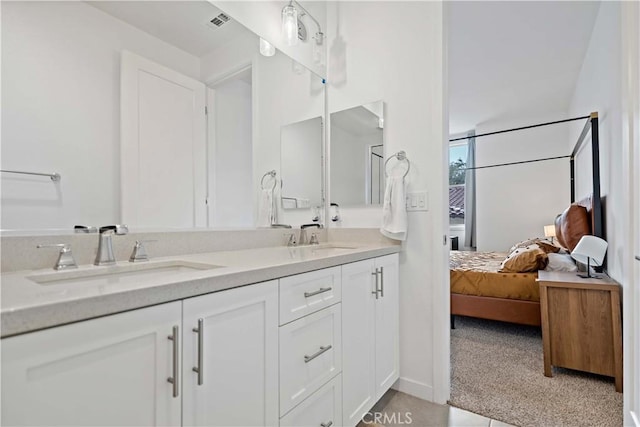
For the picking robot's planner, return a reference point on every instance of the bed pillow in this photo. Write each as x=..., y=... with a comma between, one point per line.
x=561, y=262
x=543, y=244
x=572, y=225
x=523, y=260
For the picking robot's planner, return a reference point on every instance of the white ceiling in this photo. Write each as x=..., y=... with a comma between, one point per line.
x=184, y=24
x=509, y=59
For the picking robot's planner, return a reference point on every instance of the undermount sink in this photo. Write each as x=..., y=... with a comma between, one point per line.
x=328, y=248
x=117, y=273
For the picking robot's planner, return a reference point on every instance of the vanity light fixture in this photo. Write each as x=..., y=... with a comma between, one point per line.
x=290, y=30
x=266, y=48
x=290, y=24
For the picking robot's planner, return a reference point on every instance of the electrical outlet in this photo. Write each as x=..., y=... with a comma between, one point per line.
x=417, y=201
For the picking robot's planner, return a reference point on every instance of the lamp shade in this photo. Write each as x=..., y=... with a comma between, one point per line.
x=266, y=48
x=550, y=231
x=590, y=250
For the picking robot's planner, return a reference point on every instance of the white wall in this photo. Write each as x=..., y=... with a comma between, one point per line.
x=514, y=203
x=230, y=155
x=373, y=56
x=61, y=110
x=229, y=58
x=264, y=19
x=599, y=89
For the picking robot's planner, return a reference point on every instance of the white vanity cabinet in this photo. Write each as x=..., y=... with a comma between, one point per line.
x=107, y=371
x=231, y=339
x=370, y=331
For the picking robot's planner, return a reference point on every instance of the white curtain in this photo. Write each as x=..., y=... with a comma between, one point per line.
x=470, y=195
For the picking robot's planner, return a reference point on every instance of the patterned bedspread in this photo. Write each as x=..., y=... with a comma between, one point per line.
x=476, y=261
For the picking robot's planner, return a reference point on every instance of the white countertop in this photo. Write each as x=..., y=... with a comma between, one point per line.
x=28, y=306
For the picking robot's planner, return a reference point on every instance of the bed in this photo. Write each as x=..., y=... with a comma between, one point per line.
x=479, y=289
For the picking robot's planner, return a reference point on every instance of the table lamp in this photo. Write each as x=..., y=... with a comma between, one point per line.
x=590, y=250
x=550, y=231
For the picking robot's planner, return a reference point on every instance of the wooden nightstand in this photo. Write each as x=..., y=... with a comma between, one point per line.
x=581, y=324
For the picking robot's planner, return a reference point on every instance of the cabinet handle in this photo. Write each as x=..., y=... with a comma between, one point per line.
x=308, y=359
x=638, y=257
x=319, y=291
x=381, y=282
x=327, y=424
x=376, y=291
x=199, y=369
x=176, y=348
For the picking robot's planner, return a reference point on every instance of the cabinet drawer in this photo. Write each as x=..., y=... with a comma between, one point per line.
x=309, y=292
x=322, y=408
x=310, y=355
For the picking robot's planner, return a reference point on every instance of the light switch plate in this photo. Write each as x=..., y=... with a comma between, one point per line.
x=417, y=201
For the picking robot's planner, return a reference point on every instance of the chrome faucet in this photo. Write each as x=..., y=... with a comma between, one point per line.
x=303, y=240
x=105, y=245
x=65, y=257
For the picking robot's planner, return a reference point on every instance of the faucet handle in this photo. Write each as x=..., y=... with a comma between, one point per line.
x=291, y=240
x=139, y=251
x=65, y=257
x=85, y=229
x=119, y=229
x=314, y=239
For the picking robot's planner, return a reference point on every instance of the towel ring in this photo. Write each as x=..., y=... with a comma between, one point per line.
x=272, y=174
x=400, y=156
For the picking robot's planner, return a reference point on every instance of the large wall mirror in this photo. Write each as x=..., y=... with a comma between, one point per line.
x=157, y=114
x=357, y=155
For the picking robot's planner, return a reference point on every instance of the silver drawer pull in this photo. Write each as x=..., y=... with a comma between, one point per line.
x=638, y=257
x=319, y=291
x=308, y=359
x=327, y=424
x=200, y=368
x=176, y=368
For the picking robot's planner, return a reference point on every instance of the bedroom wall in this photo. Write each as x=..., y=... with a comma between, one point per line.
x=515, y=202
x=366, y=58
x=599, y=89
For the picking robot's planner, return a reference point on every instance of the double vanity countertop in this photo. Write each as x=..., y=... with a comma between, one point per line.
x=38, y=299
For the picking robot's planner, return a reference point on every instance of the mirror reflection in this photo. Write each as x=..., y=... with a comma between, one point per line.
x=301, y=148
x=155, y=114
x=357, y=155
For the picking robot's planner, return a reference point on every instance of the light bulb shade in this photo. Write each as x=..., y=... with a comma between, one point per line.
x=290, y=25
x=590, y=250
x=549, y=231
x=266, y=48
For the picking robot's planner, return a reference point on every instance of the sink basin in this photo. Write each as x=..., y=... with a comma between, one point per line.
x=328, y=249
x=118, y=273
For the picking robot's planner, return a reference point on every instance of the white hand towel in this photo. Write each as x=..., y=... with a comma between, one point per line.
x=265, y=208
x=278, y=207
x=394, y=209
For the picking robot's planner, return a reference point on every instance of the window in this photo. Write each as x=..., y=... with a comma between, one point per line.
x=457, y=165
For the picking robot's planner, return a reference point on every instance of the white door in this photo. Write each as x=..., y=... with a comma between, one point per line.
x=162, y=146
x=239, y=360
x=107, y=371
x=387, y=324
x=358, y=341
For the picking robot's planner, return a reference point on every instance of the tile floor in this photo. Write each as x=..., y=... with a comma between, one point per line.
x=396, y=409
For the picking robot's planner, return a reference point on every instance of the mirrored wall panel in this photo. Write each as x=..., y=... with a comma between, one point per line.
x=301, y=150
x=158, y=115
x=357, y=155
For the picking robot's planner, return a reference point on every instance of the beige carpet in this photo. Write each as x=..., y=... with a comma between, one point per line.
x=497, y=371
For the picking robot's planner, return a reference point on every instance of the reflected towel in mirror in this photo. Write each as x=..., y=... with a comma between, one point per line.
x=394, y=209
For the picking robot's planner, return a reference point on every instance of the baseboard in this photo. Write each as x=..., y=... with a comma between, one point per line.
x=414, y=388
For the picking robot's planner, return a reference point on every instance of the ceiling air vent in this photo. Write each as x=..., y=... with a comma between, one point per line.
x=220, y=20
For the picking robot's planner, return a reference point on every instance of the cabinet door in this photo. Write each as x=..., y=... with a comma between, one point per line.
x=387, y=325
x=358, y=341
x=322, y=408
x=107, y=371
x=239, y=359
